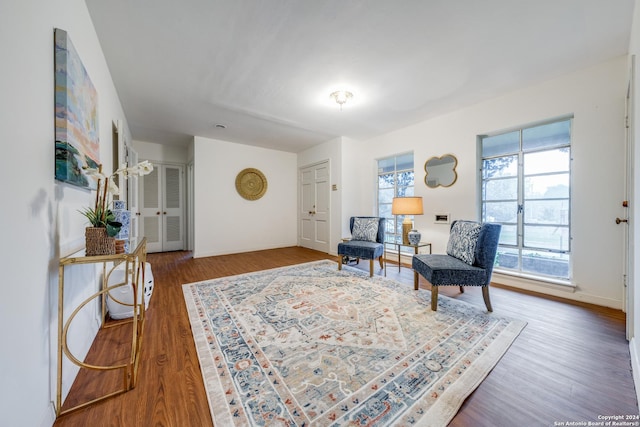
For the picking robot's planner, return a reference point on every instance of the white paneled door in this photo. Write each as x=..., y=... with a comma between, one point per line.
x=132, y=198
x=314, y=207
x=162, y=208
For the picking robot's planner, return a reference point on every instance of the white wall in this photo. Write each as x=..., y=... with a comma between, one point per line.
x=356, y=187
x=595, y=96
x=227, y=223
x=40, y=220
x=161, y=153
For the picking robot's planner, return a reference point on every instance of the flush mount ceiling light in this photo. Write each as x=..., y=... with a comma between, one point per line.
x=341, y=96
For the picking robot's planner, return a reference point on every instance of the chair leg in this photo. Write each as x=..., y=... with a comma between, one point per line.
x=416, y=280
x=434, y=298
x=371, y=267
x=339, y=262
x=485, y=295
x=462, y=289
x=380, y=259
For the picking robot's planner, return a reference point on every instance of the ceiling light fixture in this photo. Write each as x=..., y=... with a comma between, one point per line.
x=341, y=96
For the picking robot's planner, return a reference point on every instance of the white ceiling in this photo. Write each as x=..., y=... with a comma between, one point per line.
x=265, y=68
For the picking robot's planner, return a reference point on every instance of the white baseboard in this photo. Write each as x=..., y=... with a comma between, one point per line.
x=562, y=291
x=635, y=365
x=204, y=254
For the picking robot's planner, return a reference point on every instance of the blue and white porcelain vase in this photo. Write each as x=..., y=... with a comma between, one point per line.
x=123, y=216
x=414, y=237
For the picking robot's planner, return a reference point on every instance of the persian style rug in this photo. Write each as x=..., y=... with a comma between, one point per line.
x=309, y=345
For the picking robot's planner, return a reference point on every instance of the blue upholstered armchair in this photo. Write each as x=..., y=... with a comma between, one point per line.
x=471, y=253
x=367, y=241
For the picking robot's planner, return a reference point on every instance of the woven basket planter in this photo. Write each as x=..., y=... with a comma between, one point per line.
x=120, y=246
x=98, y=243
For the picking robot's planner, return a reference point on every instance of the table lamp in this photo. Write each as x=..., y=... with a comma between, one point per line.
x=408, y=206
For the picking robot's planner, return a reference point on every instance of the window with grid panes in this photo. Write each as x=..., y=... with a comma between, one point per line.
x=526, y=187
x=395, y=179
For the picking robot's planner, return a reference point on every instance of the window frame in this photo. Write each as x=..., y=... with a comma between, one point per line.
x=522, y=227
x=393, y=221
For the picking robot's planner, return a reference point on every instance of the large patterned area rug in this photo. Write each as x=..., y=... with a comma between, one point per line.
x=309, y=345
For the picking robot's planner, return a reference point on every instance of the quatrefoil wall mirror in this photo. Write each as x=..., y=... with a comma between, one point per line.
x=441, y=171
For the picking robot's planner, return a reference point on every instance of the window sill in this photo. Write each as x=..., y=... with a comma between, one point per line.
x=510, y=278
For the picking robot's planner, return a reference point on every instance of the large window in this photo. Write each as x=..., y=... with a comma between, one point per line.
x=526, y=186
x=395, y=179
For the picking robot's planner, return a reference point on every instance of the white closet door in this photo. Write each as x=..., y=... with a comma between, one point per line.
x=151, y=209
x=173, y=209
x=162, y=208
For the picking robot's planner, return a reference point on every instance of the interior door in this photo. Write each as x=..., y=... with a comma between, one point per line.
x=315, y=207
x=132, y=198
x=162, y=208
x=173, y=209
x=629, y=191
x=151, y=209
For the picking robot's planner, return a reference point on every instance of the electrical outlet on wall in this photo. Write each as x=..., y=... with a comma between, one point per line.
x=441, y=218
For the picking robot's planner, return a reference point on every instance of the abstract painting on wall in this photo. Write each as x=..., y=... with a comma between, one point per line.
x=76, y=116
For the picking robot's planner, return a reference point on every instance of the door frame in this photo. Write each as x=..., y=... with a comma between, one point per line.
x=300, y=201
x=628, y=254
x=159, y=165
x=190, y=205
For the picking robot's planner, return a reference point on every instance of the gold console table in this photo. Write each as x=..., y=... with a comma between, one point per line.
x=134, y=277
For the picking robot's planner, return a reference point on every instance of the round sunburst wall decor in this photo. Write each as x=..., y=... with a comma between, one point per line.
x=251, y=184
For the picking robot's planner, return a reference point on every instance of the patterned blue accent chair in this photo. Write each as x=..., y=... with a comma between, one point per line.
x=367, y=237
x=471, y=253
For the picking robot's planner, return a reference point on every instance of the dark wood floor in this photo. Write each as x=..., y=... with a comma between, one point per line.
x=571, y=362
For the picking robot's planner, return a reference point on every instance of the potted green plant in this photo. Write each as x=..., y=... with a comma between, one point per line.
x=100, y=237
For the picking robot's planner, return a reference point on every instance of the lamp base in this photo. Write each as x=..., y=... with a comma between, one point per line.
x=406, y=228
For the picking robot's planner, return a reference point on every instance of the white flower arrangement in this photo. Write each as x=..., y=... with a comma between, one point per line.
x=100, y=215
